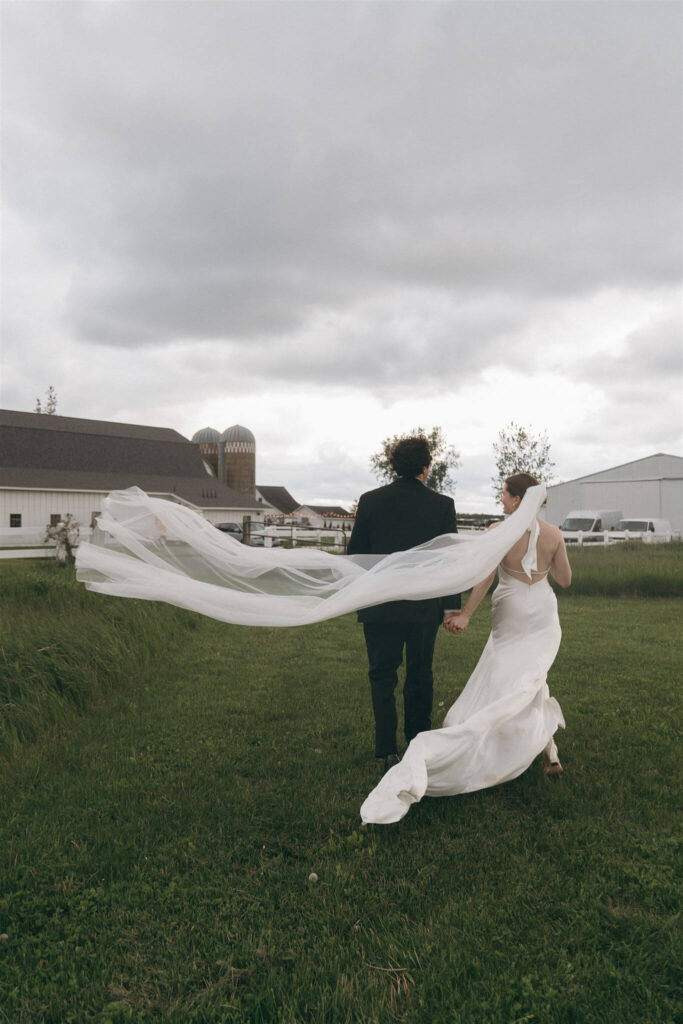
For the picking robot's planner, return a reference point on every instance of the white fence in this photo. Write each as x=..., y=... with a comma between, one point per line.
x=28, y=553
x=335, y=540
x=299, y=536
x=28, y=546
x=605, y=538
x=29, y=542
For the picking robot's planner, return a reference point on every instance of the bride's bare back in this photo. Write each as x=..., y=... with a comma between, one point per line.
x=551, y=556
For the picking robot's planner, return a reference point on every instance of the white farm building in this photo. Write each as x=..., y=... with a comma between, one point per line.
x=54, y=465
x=650, y=487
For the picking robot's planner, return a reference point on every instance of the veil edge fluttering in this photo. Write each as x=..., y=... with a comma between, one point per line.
x=154, y=549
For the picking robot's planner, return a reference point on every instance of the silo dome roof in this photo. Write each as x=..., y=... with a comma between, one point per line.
x=206, y=436
x=238, y=433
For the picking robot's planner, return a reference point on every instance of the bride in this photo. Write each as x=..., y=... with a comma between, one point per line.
x=505, y=716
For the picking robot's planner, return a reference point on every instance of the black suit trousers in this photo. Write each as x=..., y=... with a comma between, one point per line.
x=385, y=642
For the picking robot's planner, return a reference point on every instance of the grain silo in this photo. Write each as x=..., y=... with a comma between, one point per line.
x=208, y=439
x=237, y=459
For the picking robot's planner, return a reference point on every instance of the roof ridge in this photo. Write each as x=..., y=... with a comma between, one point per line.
x=22, y=420
x=620, y=465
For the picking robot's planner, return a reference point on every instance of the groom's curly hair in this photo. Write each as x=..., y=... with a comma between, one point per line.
x=410, y=455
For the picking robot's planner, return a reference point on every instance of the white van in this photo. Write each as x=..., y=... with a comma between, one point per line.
x=653, y=531
x=591, y=520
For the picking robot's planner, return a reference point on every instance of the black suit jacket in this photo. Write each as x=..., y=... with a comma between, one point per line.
x=395, y=518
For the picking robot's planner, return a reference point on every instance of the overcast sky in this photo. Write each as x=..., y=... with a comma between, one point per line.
x=335, y=221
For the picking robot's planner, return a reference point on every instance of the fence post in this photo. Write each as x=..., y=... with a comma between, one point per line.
x=246, y=529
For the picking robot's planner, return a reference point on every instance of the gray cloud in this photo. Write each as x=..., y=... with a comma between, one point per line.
x=204, y=202
x=651, y=354
x=236, y=172
x=330, y=477
x=641, y=392
x=642, y=382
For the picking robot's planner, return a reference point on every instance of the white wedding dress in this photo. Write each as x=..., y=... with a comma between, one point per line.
x=505, y=716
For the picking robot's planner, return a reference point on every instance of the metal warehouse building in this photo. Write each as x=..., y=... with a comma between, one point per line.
x=651, y=487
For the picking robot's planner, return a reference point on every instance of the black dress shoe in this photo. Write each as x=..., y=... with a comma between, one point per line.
x=390, y=760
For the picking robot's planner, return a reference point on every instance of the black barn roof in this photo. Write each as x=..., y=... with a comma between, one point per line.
x=44, y=452
x=279, y=498
x=330, y=510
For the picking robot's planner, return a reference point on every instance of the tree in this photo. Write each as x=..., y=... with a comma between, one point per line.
x=50, y=407
x=444, y=459
x=65, y=534
x=519, y=450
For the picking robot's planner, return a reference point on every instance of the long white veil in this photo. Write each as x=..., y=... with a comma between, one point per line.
x=158, y=550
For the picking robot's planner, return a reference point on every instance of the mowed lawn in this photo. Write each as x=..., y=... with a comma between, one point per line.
x=156, y=853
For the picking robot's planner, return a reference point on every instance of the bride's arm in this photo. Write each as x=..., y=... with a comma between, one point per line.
x=560, y=568
x=457, y=622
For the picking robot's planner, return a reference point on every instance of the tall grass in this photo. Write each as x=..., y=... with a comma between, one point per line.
x=62, y=649
x=631, y=568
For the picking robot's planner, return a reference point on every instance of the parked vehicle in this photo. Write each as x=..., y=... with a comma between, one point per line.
x=591, y=520
x=258, y=534
x=653, y=531
x=608, y=526
x=234, y=529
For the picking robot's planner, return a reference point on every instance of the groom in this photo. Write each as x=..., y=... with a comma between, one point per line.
x=393, y=518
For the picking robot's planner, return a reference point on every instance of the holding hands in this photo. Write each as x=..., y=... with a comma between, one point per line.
x=456, y=622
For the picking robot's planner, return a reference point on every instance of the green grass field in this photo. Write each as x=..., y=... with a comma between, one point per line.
x=155, y=852
x=634, y=568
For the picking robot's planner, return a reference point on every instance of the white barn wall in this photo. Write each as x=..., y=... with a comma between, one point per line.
x=232, y=515
x=35, y=508
x=319, y=521
x=672, y=504
x=652, y=467
x=633, y=497
x=562, y=498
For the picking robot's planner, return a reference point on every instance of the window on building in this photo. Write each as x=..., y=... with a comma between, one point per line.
x=15, y=519
x=55, y=518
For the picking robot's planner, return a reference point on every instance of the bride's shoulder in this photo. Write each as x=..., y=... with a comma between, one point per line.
x=550, y=536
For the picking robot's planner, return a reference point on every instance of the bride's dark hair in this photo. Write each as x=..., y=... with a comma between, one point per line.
x=519, y=483
x=410, y=455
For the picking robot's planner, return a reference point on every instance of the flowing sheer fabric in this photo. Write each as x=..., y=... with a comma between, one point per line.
x=158, y=550
x=503, y=718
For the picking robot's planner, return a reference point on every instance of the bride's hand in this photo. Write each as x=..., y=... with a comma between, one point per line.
x=458, y=622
